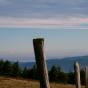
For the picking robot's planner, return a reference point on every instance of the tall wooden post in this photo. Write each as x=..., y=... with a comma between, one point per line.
x=86, y=77
x=41, y=64
x=77, y=75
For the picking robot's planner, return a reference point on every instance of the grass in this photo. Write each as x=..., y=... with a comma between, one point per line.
x=6, y=82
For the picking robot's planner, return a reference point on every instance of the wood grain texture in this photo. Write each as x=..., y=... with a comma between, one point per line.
x=41, y=64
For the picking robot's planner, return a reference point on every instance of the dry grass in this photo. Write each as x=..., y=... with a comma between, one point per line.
x=19, y=83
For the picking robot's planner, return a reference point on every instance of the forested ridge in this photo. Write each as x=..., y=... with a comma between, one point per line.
x=8, y=68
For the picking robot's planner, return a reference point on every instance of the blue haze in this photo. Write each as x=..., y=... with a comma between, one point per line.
x=17, y=42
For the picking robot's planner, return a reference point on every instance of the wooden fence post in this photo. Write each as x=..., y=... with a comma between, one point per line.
x=77, y=75
x=41, y=64
x=86, y=77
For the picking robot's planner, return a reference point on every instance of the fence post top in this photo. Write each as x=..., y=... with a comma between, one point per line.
x=86, y=67
x=76, y=63
x=38, y=39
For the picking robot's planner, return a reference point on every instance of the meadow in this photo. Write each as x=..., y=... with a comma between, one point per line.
x=7, y=82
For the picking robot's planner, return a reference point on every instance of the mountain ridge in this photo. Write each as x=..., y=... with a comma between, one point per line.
x=66, y=64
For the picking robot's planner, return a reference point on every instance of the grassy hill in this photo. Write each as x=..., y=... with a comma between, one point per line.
x=6, y=82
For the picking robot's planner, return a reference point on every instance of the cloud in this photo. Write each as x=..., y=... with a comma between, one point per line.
x=70, y=22
x=43, y=12
x=5, y=2
x=44, y=8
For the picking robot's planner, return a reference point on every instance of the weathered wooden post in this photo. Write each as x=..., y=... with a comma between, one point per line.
x=77, y=75
x=41, y=64
x=86, y=77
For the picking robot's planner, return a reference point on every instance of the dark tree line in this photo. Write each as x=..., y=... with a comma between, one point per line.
x=55, y=74
x=9, y=69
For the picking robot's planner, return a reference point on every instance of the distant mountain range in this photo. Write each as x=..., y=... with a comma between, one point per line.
x=66, y=64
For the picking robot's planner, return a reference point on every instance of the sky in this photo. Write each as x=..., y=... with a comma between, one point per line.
x=17, y=43
x=36, y=13
x=62, y=23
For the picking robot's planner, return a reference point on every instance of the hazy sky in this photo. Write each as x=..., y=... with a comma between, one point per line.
x=25, y=13
x=63, y=24
x=58, y=42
